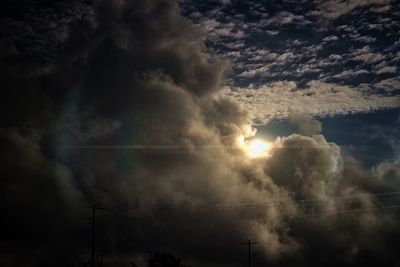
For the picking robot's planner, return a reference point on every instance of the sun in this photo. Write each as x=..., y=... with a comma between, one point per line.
x=255, y=147
x=258, y=148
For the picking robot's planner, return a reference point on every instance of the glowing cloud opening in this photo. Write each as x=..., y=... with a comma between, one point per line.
x=258, y=148
x=255, y=148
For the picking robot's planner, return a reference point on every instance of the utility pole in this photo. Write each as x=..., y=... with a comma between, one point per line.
x=101, y=260
x=249, y=243
x=94, y=208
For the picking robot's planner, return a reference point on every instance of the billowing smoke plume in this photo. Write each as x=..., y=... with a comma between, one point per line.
x=128, y=116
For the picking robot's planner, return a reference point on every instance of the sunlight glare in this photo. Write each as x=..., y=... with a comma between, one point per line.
x=258, y=148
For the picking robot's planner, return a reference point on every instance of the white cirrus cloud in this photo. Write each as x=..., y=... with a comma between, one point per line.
x=330, y=38
x=285, y=17
x=366, y=55
x=284, y=98
x=332, y=9
x=391, y=85
x=387, y=69
x=349, y=73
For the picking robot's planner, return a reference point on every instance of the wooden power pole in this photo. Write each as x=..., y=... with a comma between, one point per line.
x=249, y=243
x=94, y=208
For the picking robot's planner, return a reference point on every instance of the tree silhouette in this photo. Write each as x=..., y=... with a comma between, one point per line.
x=164, y=259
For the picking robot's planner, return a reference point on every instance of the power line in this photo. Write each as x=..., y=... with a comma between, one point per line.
x=319, y=214
x=277, y=203
x=306, y=207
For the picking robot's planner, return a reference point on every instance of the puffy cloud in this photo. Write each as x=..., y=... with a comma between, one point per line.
x=306, y=124
x=328, y=182
x=305, y=165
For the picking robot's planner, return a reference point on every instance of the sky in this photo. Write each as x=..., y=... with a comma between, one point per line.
x=335, y=60
x=198, y=126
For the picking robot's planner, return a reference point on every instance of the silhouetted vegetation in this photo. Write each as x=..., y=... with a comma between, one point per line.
x=164, y=259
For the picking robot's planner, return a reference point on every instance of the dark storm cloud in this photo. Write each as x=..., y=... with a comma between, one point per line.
x=138, y=74
x=131, y=115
